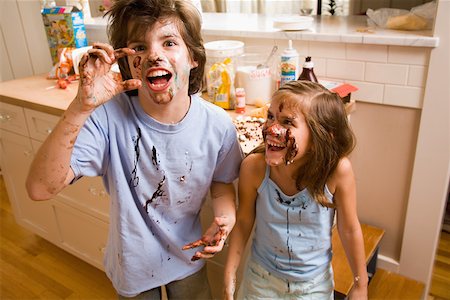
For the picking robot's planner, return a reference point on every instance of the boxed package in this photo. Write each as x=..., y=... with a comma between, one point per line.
x=64, y=26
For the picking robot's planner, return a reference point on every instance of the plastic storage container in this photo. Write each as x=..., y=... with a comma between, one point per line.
x=222, y=59
x=258, y=83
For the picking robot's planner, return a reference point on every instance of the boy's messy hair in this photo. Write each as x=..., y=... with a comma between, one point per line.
x=331, y=135
x=142, y=14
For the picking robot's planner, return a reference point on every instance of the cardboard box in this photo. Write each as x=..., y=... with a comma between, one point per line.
x=64, y=26
x=344, y=90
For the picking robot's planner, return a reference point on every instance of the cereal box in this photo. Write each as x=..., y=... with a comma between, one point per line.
x=64, y=26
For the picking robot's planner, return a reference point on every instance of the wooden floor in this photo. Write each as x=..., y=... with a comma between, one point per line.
x=32, y=268
x=440, y=284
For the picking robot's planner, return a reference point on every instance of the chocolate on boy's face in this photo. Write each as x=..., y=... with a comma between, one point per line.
x=162, y=62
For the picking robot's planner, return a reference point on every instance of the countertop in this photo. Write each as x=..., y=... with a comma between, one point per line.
x=348, y=29
x=41, y=94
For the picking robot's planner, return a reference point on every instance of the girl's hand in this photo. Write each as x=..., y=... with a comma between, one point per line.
x=97, y=83
x=213, y=239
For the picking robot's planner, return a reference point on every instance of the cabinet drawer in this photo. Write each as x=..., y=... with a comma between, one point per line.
x=12, y=118
x=89, y=195
x=40, y=124
x=82, y=234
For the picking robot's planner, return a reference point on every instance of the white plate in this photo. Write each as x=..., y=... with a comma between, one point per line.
x=293, y=22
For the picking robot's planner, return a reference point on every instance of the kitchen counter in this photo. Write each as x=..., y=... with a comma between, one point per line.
x=38, y=93
x=349, y=29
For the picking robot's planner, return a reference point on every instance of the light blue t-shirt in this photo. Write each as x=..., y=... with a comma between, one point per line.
x=157, y=176
x=292, y=236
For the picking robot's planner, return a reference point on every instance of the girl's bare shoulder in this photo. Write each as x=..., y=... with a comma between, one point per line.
x=342, y=173
x=254, y=166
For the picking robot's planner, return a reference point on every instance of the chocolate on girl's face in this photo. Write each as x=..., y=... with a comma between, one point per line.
x=285, y=133
x=162, y=61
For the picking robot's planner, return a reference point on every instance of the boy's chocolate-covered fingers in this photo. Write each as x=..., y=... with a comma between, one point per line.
x=122, y=52
x=131, y=84
x=195, y=244
x=101, y=54
x=83, y=61
x=106, y=47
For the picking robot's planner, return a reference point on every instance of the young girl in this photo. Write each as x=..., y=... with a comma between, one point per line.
x=290, y=188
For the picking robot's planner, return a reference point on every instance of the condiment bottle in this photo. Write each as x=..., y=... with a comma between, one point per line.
x=289, y=64
x=308, y=71
x=240, y=100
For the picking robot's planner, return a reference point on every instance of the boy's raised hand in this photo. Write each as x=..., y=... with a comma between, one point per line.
x=97, y=83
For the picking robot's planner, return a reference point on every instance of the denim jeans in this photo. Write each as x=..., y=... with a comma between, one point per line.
x=258, y=283
x=193, y=287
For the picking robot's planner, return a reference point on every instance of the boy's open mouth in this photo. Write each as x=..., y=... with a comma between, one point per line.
x=158, y=79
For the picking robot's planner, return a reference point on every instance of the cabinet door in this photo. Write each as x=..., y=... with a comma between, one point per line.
x=87, y=194
x=15, y=157
x=40, y=124
x=82, y=234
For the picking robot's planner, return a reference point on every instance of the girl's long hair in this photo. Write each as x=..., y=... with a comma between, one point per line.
x=331, y=135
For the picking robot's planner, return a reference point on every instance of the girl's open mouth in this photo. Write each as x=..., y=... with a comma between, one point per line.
x=275, y=146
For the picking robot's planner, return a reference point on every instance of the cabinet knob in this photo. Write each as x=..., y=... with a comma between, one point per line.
x=93, y=191
x=49, y=130
x=5, y=118
x=27, y=153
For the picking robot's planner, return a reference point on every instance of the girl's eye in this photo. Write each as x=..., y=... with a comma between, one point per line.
x=269, y=116
x=287, y=122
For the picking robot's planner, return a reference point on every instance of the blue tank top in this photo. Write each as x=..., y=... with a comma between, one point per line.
x=292, y=236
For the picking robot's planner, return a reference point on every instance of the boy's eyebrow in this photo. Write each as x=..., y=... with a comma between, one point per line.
x=134, y=41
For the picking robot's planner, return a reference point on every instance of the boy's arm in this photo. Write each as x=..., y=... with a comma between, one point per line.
x=223, y=199
x=349, y=227
x=50, y=170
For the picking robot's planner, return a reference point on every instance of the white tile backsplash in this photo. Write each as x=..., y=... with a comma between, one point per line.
x=350, y=70
x=328, y=50
x=391, y=75
x=408, y=55
x=368, y=92
x=386, y=73
x=372, y=53
x=417, y=76
x=403, y=96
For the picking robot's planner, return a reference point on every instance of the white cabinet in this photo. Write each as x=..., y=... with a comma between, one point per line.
x=16, y=155
x=77, y=218
x=81, y=234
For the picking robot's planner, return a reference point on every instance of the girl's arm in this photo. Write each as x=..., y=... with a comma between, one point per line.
x=349, y=227
x=249, y=180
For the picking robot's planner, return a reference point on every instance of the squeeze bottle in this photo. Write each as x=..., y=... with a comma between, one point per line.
x=289, y=64
x=308, y=71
